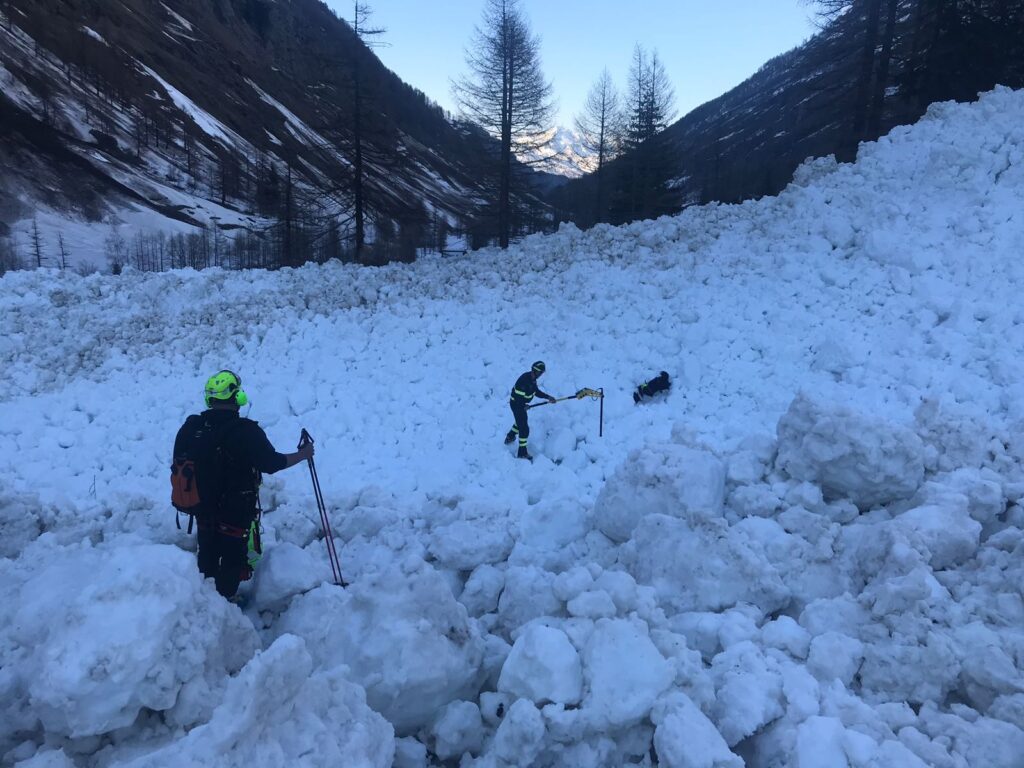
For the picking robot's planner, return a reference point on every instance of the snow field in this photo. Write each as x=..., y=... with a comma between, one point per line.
x=810, y=553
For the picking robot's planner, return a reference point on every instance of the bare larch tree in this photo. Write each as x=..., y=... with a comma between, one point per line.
x=366, y=34
x=506, y=94
x=600, y=128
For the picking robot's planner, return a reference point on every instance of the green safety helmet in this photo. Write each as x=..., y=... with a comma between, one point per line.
x=225, y=386
x=538, y=367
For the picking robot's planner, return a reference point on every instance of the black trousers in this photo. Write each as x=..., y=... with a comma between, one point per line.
x=522, y=425
x=224, y=557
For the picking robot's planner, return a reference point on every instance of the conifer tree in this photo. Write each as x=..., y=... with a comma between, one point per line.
x=366, y=34
x=600, y=127
x=37, y=244
x=650, y=99
x=62, y=251
x=647, y=166
x=506, y=93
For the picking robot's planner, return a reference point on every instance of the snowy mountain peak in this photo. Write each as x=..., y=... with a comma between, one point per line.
x=564, y=154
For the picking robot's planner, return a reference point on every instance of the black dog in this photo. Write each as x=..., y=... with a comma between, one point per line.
x=659, y=383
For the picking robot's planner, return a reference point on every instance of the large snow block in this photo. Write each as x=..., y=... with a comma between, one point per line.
x=459, y=729
x=684, y=737
x=950, y=535
x=624, y=673
x=959, y=435
x=19, y=523
x=660, y=479
x=987, y=669
x=403, y=637
x=465, y=544
x=819, y=743
x=703, y=568
x=850, y=455
x=101, y=634
x=275, y=713
x=543, y=667
x=748, y=690
x=528, y=594
x=520, y=737
x=285, y=571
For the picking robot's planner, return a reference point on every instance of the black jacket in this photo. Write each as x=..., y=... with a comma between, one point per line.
x=247, y=453
x=526, y=389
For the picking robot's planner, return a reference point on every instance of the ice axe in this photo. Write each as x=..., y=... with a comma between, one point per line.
x=332, y=554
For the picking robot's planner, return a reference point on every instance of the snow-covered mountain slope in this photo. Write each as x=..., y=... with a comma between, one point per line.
x=564, y=155
x=810, y=552
x=172, y=115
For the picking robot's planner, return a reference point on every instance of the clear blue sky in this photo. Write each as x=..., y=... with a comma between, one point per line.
x=708, y=46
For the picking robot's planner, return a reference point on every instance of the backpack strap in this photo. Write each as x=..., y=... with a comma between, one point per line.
x=177, y=521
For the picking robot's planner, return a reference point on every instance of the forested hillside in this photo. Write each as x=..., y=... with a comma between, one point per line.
x=875, y=64
x=204, y=118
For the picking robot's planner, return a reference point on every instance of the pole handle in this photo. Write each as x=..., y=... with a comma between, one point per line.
x=305, y=438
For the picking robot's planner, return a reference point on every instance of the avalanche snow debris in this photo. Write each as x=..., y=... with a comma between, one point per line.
x=812, y=553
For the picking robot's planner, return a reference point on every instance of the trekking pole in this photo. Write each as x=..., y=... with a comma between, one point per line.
x=325, y=522
x=600, y=424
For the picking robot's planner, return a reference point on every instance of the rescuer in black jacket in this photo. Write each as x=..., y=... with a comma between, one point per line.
x=523, y=392
x=239, y=453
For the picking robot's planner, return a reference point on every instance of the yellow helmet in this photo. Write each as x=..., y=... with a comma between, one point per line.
x=225, y=386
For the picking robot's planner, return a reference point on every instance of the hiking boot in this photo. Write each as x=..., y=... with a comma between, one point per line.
x=523, y=454
x=510, y=437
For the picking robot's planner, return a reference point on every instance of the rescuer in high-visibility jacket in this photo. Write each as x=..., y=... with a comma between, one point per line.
x=523, y=392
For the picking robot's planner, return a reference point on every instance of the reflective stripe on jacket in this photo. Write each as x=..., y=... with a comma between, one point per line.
x=525, y=389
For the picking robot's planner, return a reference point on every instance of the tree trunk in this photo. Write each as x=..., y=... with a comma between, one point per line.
x=867, y=66
x=504, y=190
x=882, y=75
x=358, y=167
x=287, y=241
x=600, y=172
x=912, y=87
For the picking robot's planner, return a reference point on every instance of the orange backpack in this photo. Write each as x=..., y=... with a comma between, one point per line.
x=184, y=488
